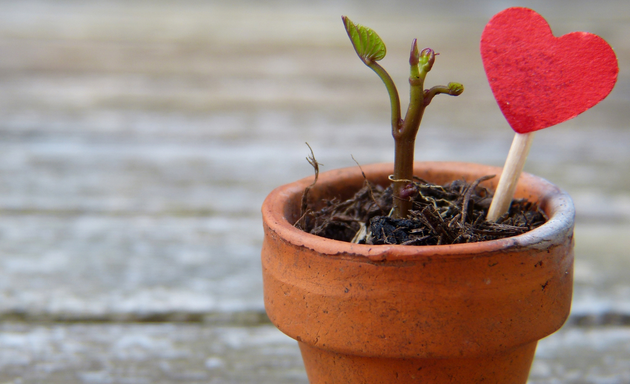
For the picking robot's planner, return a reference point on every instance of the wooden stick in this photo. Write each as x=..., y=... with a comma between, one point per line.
x=509, y=177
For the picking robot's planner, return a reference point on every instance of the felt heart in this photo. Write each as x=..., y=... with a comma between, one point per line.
x=540, y=80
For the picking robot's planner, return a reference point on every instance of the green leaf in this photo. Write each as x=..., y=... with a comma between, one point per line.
x=366, y=42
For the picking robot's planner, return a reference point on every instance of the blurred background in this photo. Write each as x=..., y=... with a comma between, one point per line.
x=138, y=140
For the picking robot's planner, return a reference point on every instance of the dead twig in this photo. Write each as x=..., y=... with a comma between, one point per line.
x=304, y=206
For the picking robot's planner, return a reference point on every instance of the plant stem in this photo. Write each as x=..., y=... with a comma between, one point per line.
x=391, y=90
x=403, y=131
x=403, y=175
x=405, y=135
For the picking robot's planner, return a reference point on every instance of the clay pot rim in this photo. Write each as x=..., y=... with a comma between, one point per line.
x=553, y=200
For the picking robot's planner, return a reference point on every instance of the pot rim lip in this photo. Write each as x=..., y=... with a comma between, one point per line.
x=553, y=233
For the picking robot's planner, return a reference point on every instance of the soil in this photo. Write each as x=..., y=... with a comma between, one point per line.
x=441, y=214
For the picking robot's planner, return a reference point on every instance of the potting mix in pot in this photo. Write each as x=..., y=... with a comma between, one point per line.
x=538, y=80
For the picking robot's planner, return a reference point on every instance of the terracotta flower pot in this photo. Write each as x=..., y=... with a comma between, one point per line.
x=465, y=313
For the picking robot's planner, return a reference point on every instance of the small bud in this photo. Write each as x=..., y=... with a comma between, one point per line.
x=414, y=56
x=408, y=191
x=427, y=58
x=455, y=89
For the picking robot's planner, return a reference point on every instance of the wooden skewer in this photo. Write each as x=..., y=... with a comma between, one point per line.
x=509, y=177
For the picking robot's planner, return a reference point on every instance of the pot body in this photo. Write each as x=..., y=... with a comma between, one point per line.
x=464, y=313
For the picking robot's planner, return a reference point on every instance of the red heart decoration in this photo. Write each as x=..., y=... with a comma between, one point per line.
x=540, y=80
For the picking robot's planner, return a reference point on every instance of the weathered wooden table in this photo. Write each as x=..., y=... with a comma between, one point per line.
x=138, y=140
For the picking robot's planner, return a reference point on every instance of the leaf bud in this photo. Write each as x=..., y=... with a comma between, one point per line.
x=455, y=89
x=414, y=56
x=427, y=58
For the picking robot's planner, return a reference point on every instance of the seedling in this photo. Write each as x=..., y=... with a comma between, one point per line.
x=371, y=49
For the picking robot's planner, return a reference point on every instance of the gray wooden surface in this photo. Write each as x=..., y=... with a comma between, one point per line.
x=138, y=140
